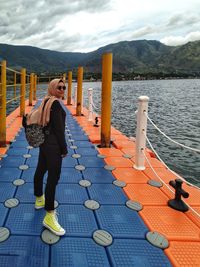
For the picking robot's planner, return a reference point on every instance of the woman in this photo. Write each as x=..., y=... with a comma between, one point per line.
x=51, y=153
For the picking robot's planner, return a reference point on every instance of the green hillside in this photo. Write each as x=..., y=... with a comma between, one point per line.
x=142, y=57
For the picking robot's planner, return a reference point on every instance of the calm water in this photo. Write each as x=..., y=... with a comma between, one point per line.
x=174, y=106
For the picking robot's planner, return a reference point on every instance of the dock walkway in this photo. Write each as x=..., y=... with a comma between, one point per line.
x=90, y=173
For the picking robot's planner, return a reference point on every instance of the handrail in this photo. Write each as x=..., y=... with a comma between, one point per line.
x=26, y=88
x=141, y=138
x=12, y=85
x=192, y=209
x=178, y=176
x=13, y=70
x=11, y=100
x=170, y=139
x=45, y=77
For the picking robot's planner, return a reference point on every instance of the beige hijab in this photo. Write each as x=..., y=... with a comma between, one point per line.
x=41, y=115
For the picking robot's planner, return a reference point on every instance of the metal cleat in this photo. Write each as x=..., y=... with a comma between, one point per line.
x=177, y=203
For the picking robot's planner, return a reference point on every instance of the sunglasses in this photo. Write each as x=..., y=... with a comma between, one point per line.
x=61, y=87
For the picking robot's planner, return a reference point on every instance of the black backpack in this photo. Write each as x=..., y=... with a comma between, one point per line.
x=35, y=133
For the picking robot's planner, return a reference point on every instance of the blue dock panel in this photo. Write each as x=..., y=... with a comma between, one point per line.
x=9, y=174
x=71, y=193
x=86, y=152
x=80, y=144
x=98, y=175
x=17, y=151
x=69, y=162
x=25, y=220
x=20, y=144
x=121, y=222
x=77, y=220
x=7, y=191
x=18, y=251
x=78, y=252
x=107, y=194
x=12, y=162
x=25, y=193
x=70, y=175
x=91, y=161
x=28, y=175
x=3, y=212
x=34, y=151
x=138, y=253
x=80, y=137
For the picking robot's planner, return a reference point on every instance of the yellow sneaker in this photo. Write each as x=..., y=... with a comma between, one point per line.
x=51, y=222
x=39, y=202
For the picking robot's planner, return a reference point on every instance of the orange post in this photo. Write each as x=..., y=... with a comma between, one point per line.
x=69, y=92
x=22, y=92
x=79, y=91
x=34, y=87
x=15, y=81
x=31, y=89
x=106, y=99
x=3, y=105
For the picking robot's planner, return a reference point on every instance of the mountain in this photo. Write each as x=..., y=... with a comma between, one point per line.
x=38, y=60
x=143, y=56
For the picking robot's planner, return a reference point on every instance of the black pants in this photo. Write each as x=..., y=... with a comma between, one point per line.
x=49, y=160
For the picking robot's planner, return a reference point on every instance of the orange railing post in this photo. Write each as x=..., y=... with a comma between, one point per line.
x=3, y=105
x=31, y=89
x=35, y=87
x=22, y=92
x=79, y=91
x=106, y=100
x=69, y=91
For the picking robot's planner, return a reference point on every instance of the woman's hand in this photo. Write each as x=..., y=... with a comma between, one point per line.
x=63, y=155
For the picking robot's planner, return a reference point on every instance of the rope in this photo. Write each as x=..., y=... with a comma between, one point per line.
x=156, y=173
x=178, y=176
x=97, y=109
x=13, y=70
x=173, y=141
x=198, y=215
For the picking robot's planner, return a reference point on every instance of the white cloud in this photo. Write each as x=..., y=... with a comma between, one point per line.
x=180, y=40
x=83, y=25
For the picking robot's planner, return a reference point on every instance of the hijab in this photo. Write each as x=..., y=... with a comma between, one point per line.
x=41, y=115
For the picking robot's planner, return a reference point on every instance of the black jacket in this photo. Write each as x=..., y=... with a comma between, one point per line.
x=56, y=127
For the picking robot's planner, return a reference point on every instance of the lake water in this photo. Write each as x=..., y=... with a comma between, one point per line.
x=174, y=106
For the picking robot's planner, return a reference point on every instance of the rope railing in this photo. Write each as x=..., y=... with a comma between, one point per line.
x=141, y=138
x=95, y=107
x=193, y=210
x=177, y=175
x=170, y=139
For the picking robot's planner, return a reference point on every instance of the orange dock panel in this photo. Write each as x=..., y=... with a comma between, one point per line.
x=175, y=225
x=193, y=217
x=146, y=194
x=110, y=152
x=184, y=254
x=164, y=174
x=118, y=162
x=130, y=175
x=194, y=194
x=123, y=144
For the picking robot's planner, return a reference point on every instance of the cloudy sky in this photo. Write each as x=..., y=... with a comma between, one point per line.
x=86, y=25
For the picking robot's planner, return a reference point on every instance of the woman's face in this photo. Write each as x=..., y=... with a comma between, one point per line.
x=60, y=90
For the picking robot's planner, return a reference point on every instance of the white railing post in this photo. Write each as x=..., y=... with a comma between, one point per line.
x=140, y=132
x=90, y=107
x=75, y=96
